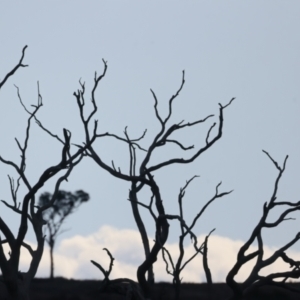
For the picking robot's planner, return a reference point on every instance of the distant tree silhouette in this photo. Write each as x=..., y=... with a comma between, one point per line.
x=64, y=204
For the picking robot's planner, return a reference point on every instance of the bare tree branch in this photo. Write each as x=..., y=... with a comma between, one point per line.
x=12, y=72
x=105, y=273
x=192, y=158
x=28, y=247
x=185, y=230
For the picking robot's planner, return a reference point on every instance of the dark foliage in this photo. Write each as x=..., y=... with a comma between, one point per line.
x=64, y=204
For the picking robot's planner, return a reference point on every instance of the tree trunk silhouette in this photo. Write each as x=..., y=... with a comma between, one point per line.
x=15, y=288
x=141, y=228
x=51, y=244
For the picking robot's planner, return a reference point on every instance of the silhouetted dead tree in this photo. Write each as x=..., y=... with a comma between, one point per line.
x=123, y=286
x=254, y=279
x=177, y=268
x=64, y=204
x=16, y=282
x=142, y=176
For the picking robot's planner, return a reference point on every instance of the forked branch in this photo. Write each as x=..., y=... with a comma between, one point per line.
x=105, y=273
x=160, y=139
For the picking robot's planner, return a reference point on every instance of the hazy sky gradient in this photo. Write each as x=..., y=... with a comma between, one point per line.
x=248, y=50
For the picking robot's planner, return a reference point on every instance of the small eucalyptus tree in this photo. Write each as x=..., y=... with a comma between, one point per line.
x=64, y=204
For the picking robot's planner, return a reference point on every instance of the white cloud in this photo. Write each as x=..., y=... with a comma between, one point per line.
x=73, y=255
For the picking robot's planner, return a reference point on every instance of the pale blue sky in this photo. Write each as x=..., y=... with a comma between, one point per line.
x=243, y=49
